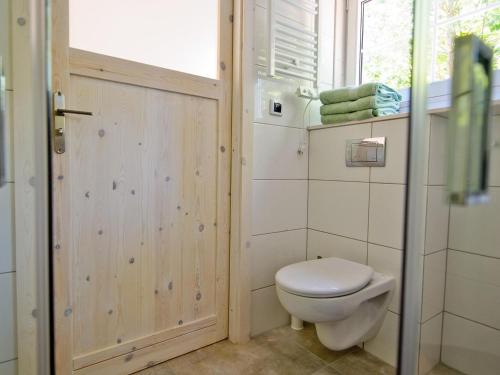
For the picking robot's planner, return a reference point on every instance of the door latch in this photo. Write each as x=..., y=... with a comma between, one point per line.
x=60, y=121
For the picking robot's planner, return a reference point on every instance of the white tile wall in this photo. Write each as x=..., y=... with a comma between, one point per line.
x=430, y=344
x=267, y=312
x=396, y=132
x=438, y=210
x=330, y=245
x=339, y=208
x=280, y=173
x=385, y=344
x=7, y=256
x=387, y=203
x=260, y=36
x=473, y=287
x=270, y=252
x=279, y=205
x=293, y=107
x=8, y=368
x=434, y=284
x=8, y=341
x=476, y=228
x=389, y=262
x=276, y=155
x=327, y=153
x=470, y=347
x=438, y=150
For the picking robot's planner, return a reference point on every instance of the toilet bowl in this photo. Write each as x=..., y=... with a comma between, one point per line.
x=346, y=301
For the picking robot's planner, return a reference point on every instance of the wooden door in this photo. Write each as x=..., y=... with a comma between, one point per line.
x=140, y=208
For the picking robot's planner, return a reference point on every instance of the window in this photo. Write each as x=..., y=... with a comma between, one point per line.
x=383, y=37
x=176, y=34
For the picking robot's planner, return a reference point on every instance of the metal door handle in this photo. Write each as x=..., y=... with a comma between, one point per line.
x=60, y=121
x=62, y=112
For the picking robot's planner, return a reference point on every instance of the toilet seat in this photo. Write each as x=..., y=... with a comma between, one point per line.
x=324, y=278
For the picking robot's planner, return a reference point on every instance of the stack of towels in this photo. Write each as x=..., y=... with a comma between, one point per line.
x=358, y=103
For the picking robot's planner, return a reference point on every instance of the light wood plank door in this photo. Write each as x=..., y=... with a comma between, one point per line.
x=140, y=208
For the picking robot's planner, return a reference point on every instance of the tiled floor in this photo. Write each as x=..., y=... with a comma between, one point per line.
x=280, y=351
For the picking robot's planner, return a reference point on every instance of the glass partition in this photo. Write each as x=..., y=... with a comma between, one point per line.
x=451, y=296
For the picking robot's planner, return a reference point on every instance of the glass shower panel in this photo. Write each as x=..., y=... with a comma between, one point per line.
x=451, y=314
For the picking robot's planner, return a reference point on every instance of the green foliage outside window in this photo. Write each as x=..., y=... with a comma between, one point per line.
x=387, y=36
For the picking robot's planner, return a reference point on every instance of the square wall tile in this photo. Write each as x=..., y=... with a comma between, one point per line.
x=473, y=287
x=438, y=213
x=389, y=262
x=8, y=337
x=260, y=36
x=7, y=251
x=279, y=205
x=276, y=152
x=8, y=368
x=328, y=245
x=385, y=344
x=327, y=153
x=470, y=347
x=494, y=179
x=267, y=312
x=396, y=133
x=270, y=252
x=339, y=208
x=430, y=344
x=387, y=206
x=434, y=284
x=475, y=229
x=282, y=90
x=438, y=152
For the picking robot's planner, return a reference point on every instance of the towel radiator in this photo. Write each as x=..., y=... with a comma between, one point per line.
x=293, y=47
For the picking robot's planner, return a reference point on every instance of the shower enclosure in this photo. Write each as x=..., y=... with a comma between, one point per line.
x=451, y=296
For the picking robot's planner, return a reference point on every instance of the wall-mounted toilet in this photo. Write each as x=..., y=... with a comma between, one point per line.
x=347, y=301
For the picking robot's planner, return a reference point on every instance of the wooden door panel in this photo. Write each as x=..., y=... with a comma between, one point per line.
x=143, y=228
x=141, y=208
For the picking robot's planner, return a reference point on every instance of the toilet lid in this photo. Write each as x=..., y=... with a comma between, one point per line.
x=322, y=278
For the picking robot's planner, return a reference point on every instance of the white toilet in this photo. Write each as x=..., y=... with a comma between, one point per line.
x=347, y=301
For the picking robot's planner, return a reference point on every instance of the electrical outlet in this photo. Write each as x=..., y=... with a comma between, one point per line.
x=275, y=107
x=307, y=92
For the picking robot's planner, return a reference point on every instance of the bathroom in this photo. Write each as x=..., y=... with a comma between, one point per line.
x=183, y=213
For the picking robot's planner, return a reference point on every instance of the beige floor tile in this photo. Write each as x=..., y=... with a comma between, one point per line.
x=281, y=351
x=360, y=362
x=444, y=370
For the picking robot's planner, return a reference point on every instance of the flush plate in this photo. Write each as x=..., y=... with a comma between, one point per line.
x=365, y=152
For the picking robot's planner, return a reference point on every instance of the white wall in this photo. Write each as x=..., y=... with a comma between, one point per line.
x=280, y=172
x=357, y=213
x=8, y=344
x=471, y=336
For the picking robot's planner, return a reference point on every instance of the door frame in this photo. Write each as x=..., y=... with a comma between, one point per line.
x=34, y=296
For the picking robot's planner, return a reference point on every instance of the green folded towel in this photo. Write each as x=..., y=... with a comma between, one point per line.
x=353, y=93
x=356, y=116
x=368, y=102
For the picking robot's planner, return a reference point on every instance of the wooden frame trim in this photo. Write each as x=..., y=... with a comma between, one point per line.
x=140, y=343
x=31, y=187
x=114, y=69
x=152, y=355
x=241, y=174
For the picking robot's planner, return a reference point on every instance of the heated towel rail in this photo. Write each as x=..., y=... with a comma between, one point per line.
x=293, y=47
